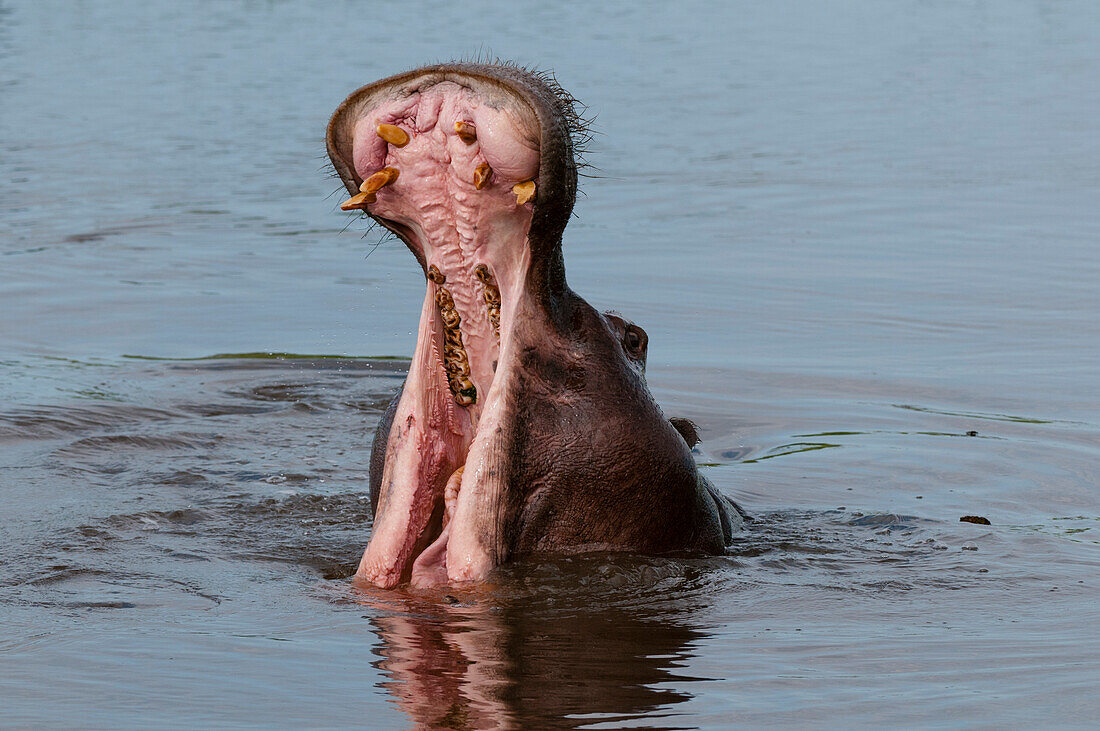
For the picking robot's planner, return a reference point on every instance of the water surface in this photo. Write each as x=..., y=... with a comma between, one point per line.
x=862, y=238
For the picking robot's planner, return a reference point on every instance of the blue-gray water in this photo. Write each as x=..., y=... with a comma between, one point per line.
x=863, y=238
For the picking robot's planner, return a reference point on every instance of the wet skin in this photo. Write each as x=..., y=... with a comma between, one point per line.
x=525, y=424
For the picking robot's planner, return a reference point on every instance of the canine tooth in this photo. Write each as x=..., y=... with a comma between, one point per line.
x=524, y=191
x=481, y=175
x=450, y=493
x=466, y=132
x=393, y=134
x=357, y=202
x=379, y=180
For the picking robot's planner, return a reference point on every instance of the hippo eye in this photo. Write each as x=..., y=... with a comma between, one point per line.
x=634, y=342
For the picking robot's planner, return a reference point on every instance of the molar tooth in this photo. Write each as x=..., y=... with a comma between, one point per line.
x=490, y=293
x=393, y=134
x=466, y=132
x=451, y=319
x=357, y=202
x=456, y=362
x=444, y=299
x=457, y=367
x=524, y=191
x=481, y=175
x=465, y=393
x=379, y=180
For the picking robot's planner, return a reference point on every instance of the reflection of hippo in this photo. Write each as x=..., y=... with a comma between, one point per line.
x=519, y=665
x=525, y=423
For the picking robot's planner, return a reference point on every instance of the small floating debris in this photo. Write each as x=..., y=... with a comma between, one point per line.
x=976, y=519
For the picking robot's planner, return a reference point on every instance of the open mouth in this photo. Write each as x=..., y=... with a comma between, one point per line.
x=451, y=161
x=525, y=424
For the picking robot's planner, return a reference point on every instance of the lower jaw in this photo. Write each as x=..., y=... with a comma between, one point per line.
x=449, y=430
x=429, y=567
x=451, y=380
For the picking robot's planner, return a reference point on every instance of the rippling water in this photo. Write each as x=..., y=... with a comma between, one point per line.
x=861, y=236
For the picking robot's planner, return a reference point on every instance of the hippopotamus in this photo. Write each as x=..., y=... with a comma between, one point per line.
x=525, y=425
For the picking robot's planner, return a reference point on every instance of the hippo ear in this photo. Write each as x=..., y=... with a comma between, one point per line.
x=687, y=430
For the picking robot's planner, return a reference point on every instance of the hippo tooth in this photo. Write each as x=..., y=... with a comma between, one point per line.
x=393, y=134
x=357, y=202
x=482, y=175
x=450, y=494
x=466, y=132
x=524, y=191
x=379, y=180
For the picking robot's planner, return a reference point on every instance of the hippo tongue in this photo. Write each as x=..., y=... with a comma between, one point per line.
x=449, y=160
x=430, y=567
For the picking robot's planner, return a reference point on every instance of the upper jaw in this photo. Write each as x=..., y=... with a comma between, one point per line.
x=551, y=128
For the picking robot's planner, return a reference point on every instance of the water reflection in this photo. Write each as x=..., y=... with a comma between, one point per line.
x=536, y=659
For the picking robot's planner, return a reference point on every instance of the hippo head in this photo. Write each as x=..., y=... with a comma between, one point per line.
x=525, y=424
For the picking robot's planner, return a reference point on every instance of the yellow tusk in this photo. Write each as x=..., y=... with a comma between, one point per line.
x=524, y=192
x=379, y=180
x=393, y=134
x=481, y=175
x=466, y=132
x=357, y=202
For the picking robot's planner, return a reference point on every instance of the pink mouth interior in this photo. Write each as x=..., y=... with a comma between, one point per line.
x=458, y=230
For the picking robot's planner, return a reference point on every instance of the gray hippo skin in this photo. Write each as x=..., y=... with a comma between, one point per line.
x=525, y=424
